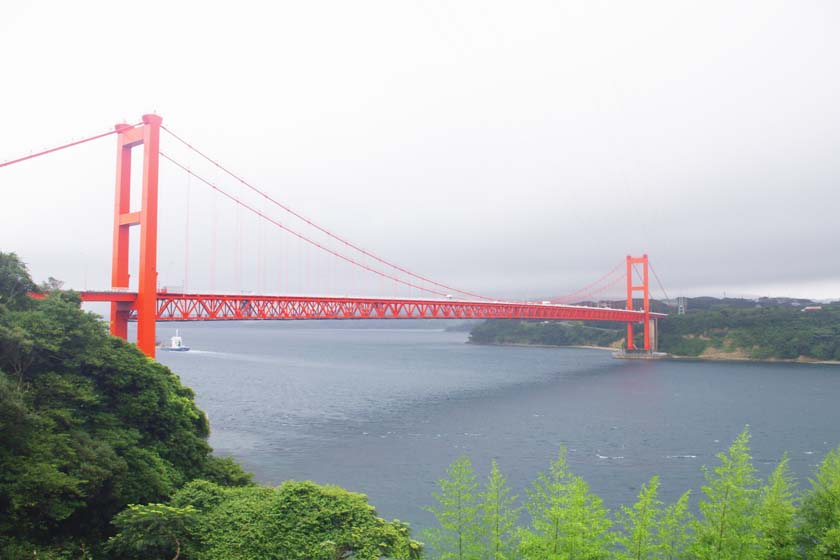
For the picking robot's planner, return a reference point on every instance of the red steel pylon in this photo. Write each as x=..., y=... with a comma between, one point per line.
x=645, y=289
x=147, y=134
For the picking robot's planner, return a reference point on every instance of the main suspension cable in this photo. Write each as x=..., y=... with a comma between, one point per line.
x=587, y=289
x=322, y=229
x=64, y=146
x=655, y=275
x=295, y=233
x=608, y=286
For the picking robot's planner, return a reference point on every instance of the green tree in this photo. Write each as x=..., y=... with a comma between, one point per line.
x=672, y=532
x=777, y=510
x=820, y=512
x=638, y=538
x=202, y=495
x=457, y=513
x=226, y=472
x=729, y=525
x=296, y=521
x=152, y=531
x=88, y=423
x=567, y=521
x=498, y=517
x=15, y=283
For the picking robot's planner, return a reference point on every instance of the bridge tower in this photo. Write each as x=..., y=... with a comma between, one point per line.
x=146, y=134
x=644, y=287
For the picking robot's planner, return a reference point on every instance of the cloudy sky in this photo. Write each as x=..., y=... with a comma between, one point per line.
x=519, y=149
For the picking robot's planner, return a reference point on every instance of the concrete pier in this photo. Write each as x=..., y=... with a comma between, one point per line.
x=641, y=355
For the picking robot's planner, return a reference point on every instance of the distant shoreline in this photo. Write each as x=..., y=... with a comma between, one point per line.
x=755, y=360
x=672, y=356
x=526, y=345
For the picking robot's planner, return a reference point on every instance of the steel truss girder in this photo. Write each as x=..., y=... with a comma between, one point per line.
x=241, y=307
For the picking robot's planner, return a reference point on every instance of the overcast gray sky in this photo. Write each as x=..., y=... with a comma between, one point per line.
x=518, y=149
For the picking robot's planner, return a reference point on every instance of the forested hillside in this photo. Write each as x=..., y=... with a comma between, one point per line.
x=760, y=333
x=732, y=328
x=94, y=436
x=545, y=333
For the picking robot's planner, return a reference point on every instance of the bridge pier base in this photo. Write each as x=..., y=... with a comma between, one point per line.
x=653, y=325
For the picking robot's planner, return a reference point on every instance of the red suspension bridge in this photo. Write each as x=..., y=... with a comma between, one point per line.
x=150, y=303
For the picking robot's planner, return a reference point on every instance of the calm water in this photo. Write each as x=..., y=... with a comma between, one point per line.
x=383, y=411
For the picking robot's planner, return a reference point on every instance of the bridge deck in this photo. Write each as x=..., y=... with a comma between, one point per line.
x=227, y=307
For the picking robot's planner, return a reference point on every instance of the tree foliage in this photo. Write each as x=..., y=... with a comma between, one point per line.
x=296, y=521
x=777, y=515
x=567, y=520
x=673, y=532
x=152, y=531
x=15, y=282
x=89, y=424
x=820, y=512
x=498, y=515
x=729, y=525
x=96, y=440
x=740, y=517
x=638, y=541
x=457, y=512
x=546, y=333
x=764, y=329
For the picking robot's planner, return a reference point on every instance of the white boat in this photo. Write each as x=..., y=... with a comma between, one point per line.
x=176, y=344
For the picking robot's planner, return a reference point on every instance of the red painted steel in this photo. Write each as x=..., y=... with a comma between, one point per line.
x=122, y=205
x=58, y=148
x=645, y=289
x=227, y=307
x=147, y=305
x=143, y=307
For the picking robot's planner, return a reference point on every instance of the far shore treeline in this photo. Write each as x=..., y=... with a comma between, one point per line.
x=104, y=454
x=764, y=329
